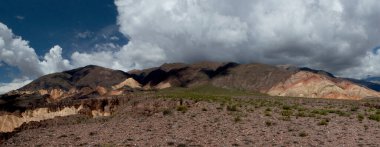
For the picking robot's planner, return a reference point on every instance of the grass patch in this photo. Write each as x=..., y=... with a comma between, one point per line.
x=205, y=92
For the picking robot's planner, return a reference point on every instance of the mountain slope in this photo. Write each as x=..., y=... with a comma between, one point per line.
x=92, y=81
x=85, y=81
x=272, y=80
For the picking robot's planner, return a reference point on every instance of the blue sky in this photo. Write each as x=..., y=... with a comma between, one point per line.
x=75, y=25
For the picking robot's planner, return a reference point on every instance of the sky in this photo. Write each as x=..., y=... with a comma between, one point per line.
x=47, y=36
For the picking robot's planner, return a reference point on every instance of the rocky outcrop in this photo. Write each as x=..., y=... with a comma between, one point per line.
x=130, y=82
x=91, y=107
x=313, y=85
x=9, y=122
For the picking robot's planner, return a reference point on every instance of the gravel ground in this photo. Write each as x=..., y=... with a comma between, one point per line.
x=157, y=122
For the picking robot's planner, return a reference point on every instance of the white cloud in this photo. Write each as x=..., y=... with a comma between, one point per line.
x=84, y=35
x=131, y=56
x=16, y=84
x=16, y=52
x=19, y=17
x=334, y=35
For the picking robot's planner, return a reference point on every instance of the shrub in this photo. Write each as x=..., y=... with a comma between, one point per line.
x=286, y=118
x=360, y=117
x=323, y=122
x=354, y=109
x=375, y=117
x=232, y=108
x=182, y=109
x=303, y=134
x=320, y=112
x=167, y=112
x=287, y=113
x=286, y=107
x=269, y=123
x=237, y=119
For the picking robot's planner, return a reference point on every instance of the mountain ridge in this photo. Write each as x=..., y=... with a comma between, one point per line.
x=95, y=81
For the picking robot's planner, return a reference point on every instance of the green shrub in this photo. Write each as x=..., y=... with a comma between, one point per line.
x=360, y=117
x=323, y=122
x=375, y=117
x=354, y=109
x=287, y=113
x=321, y=111
x=286, y=107
x=182, y=109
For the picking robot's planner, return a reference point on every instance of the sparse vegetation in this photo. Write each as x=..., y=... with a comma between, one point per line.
x=167, y=112
x=375, y=117
x=232, y=108
x=323, y=122
x=360, y=117
x=269, y=123
x=237, y=119
x=303, y=134
x=287, y=113
x=182, y=108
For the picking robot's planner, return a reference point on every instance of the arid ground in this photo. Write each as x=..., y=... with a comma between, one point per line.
x=195, y=117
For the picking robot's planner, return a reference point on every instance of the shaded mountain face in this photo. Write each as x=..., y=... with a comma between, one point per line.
x=81, y=82
x=372, y=80
x=253, y=77
x=370, y=85
x=90, y=76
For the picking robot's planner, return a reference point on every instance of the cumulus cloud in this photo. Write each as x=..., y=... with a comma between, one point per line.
x=131, y=56
x=335, y=35
x=15, y=84
x=16, y=52
x=340, y=36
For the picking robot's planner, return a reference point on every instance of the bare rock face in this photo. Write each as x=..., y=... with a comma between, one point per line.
x=308, y=84
x=130, y=82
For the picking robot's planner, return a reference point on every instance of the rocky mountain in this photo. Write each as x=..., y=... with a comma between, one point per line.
x=272, y=80
x=82, y=82
x=96, y=91
x=92, y=81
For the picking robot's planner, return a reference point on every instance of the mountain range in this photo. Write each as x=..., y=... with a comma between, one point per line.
x=261, y=78
x=96, y=91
